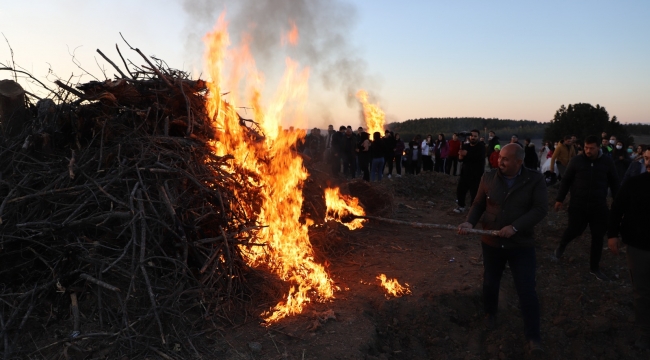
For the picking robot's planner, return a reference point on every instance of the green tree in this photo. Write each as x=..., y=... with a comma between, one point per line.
x=583, y=120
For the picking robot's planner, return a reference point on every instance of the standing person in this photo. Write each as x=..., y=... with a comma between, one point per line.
x=427, y=151
x=363, y=154
x=398, y=152
x=377, y=152
x=389, y=147
x=541, y=156
x=337, y=151
x=472, y=156
x=630, y=211
x=452, y=159
x=621, y=159
x=514, y=139
x=349, y=156
x=530, y=159
x=587, y=178
x=605, y=147
x=441, y=152
x=494, y=157
x=328, y=144
x=562, y=155
x=414, y=156
x=514, y=200
x=493, y=140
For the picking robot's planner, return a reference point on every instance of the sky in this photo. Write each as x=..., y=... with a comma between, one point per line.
x=491, y=59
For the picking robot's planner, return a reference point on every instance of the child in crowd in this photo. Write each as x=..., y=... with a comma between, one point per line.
x=494, y=157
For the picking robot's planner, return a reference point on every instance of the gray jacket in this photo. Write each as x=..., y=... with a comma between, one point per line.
x=522, y=206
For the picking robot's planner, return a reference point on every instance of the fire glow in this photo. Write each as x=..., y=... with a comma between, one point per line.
x=373, y=114
x=393, y=287
x=340, y=206
x=279, y=171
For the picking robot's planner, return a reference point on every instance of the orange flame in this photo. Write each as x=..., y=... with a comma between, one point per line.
x=393, y=287
x=372, y=114
x=280, y=172
x=339, y=205
x=292, y=36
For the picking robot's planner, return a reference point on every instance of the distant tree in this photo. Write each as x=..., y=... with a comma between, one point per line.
x=583, y=120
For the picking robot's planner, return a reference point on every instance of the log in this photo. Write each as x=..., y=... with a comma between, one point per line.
x=421, y=225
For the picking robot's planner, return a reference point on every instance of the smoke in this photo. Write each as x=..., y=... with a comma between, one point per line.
x=324, y=26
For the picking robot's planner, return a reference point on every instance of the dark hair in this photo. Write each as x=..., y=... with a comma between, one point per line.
x=443, y=137
x=591, y=139
x=476, y=131
x=376, y=136
x=364, y=136
x=568, y=137
x=396, y=135
x=341, y=127
x=528, y=140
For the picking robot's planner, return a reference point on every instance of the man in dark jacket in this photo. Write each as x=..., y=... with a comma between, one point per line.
x=348, y=153
x=336, y=150
x=630, y=213
x=472, y=156
x=511, y=200
x=587, y=177
x=493, y=139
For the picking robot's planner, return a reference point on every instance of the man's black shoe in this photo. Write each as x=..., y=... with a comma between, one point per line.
x=535, y=348
x=599, y=275
x=490, y=321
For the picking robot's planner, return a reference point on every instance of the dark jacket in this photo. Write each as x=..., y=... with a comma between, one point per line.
x=588, y=181
x=377, y=149
x=337, y=143
x=530, y=159
x=523, y=206
x=490, y=145
x=630, y=212
x=389, y=145
x=635, y=168
x=399, y=148
x=474, y=161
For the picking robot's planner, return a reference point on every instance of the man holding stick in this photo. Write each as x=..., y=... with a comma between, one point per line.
x=514, y=200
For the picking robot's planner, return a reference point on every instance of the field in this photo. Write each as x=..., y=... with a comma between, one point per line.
x=582, y=318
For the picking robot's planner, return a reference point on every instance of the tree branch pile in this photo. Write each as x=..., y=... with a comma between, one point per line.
x=119, y=227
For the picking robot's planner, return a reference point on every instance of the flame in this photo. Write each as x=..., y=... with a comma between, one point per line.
x=372, y=114
x=393, y=287
x=279, y=171
x=292, y=36
x=339, y=205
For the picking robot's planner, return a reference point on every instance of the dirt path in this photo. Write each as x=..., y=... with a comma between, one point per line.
x=582, y=318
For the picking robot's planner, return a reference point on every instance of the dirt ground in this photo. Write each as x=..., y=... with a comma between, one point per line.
x=582, y=318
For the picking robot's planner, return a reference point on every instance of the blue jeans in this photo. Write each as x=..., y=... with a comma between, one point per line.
x=522, y=265
x=377, y=169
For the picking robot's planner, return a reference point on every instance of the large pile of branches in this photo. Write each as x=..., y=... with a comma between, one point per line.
x=120, y=232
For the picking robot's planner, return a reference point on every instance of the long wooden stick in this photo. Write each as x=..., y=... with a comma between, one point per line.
x=428, y=226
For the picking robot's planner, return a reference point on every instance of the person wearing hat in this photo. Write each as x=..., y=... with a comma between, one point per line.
x=494, y=157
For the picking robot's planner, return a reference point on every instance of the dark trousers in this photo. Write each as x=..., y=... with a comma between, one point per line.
x=427, y=163
x=467, y=183
x=440, y=164
x=388, y=162
x=451, y=165
x=398, y=164
x=349, y=165
x=639, y=262
x=335, y=163
x=596, y=217
x=522, y=265
x=364, y=164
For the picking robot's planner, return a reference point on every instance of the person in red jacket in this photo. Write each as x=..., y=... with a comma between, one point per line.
x=494, y=157
x=452, y=158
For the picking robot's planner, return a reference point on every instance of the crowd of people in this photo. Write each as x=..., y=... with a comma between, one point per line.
x=507, y=186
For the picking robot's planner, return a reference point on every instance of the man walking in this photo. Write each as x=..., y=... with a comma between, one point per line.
x=472, y=156
x=511, y=200
x=337, y=151
x=630, y=211
x=587, y=178
x=562, y=154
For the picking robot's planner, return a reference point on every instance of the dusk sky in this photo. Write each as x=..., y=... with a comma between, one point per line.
x=493, y=59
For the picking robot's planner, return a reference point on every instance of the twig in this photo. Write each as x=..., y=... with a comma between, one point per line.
x=99, y=282
x=75, y=314
x=112, y=63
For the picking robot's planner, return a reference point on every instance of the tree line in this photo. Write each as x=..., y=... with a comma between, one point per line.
x=580, y=119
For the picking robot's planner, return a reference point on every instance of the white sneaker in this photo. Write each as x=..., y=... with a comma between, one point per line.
x=389, y=176
x=459, y=210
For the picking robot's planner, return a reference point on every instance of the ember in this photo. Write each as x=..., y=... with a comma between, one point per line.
x=392, y=287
